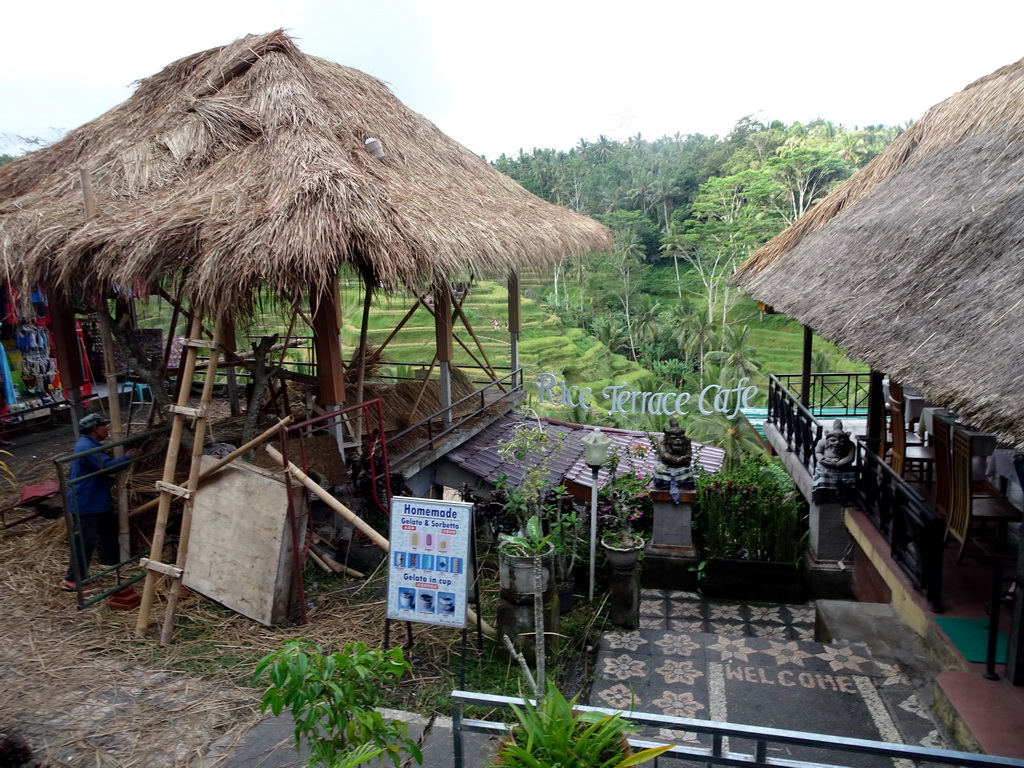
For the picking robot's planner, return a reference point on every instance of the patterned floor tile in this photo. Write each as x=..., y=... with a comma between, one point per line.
x=755, y=664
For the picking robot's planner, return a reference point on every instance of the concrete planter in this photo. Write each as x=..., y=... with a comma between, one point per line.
x=517, y=578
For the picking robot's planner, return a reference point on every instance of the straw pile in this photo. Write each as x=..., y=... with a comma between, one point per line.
x=81, y=691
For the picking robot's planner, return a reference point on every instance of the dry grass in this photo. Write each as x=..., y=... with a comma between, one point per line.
x=82, y=691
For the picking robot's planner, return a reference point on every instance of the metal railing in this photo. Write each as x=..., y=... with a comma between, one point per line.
x=728, y=739
x=512, y=380
x=913, y=529
x=832, y=394
x=794, y=421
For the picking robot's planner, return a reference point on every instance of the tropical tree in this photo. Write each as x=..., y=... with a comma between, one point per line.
x=736, y=355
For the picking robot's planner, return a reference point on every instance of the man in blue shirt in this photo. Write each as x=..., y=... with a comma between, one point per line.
x=89, y=499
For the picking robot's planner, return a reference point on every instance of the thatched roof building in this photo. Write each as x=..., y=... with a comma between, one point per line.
x=245, y=167
x=915, y=265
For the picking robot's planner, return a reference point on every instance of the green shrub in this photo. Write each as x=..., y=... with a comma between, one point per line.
x=752, y=512
x=331, y=701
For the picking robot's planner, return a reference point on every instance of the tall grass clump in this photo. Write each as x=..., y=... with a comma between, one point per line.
x=751, y=512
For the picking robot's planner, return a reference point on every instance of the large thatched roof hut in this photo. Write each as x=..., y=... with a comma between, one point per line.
x=246, y=166
x=915, y=264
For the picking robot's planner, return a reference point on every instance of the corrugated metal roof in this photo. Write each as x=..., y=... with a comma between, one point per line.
x=479, y=455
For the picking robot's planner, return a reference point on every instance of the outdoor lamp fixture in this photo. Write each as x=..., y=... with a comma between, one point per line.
x=595, y=453
x=375, y=148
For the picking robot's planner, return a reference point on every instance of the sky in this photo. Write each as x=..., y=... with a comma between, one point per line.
x=500, y=76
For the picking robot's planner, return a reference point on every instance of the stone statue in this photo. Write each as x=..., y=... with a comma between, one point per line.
x=674, y=447
x=834, y=475
x=675, y=452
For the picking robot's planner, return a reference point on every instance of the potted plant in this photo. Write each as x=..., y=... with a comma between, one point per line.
x=625, y=503
x=331, y=701
x=750, y=528
x=519, y=556
x=564, y=525
x=553, y=732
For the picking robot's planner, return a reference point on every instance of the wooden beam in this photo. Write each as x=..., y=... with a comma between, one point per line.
x=330, y=369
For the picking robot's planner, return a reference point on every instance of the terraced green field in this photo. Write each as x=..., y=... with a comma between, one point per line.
x=546, y=345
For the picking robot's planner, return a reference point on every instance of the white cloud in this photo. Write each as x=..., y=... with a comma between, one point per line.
x=500, y=76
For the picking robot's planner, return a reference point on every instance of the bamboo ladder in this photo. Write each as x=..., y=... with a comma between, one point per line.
x=155, y=567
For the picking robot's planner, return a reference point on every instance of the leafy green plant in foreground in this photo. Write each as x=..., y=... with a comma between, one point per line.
x=331, y=701
x=552, y=733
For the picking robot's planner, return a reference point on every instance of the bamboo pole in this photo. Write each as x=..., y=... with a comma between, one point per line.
x=426, y=379
x=466, y=323
x=193, y=475
x=357, y=433
x=353, y=518
x=113, y=396
x=407, y=318
x=116, y=425
x=188, y=370
x=211, y=470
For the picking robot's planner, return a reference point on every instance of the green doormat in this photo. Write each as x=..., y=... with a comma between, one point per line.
x=970, y=636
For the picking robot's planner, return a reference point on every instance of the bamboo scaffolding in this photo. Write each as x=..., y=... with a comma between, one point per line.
x=255, y=442
x=469, y=327
x=188, y=370
x=193, y=476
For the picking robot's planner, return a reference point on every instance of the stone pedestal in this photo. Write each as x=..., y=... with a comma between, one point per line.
x=673, y=525
x=671, y=554
x=624, y=598
x=828, y=539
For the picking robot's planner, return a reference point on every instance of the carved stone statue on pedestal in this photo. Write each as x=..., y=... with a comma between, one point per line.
x=835, y=475
x=675, y=451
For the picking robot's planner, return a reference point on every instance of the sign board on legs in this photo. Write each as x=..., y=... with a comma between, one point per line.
x=427, y=580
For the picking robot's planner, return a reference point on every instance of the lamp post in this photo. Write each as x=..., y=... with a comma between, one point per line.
x=595, y=453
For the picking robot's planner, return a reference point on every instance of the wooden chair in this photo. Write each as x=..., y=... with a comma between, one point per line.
x=905, y=458
x=941, y=429
x=967, y=509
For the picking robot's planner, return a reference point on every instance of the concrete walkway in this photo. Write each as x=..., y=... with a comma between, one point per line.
x=728, y=661
x=760, y=665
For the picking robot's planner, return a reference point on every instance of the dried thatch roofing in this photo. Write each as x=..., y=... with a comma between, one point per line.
x=915, y=264
x=245, y=165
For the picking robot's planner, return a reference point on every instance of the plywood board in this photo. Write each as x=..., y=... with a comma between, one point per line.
x=240, y=550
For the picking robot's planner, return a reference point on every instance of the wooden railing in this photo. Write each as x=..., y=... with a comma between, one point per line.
x=913, y=529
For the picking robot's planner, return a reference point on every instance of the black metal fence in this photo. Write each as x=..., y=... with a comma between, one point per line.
x=914, y=530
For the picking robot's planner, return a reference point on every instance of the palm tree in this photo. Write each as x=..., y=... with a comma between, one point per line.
x=736, y=356
x=646, y=317
x=695, y=331
x=734, y=436
x=611, y=333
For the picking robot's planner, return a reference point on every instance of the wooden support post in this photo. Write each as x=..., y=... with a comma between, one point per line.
x=805, y=371
x=443, y=340
x=188, y=368
x=230, y=347
x=116, y=425
x=330, y=369
x=357, y=432
x=514, y=325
